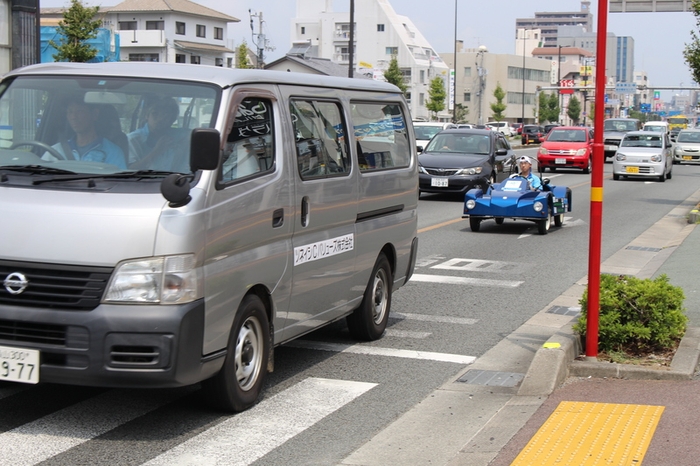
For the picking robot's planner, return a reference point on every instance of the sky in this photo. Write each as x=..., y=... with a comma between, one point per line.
x=659, y=38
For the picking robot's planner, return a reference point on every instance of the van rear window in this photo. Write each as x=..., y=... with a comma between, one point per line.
x=382, y=139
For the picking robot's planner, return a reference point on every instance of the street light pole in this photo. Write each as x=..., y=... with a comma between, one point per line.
x=454, y=77
x=559, y=81
x=522, y=116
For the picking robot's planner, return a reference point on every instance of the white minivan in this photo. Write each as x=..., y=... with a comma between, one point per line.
x=169, y=224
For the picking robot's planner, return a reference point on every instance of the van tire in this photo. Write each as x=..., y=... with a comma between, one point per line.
x=368, y=321
x=233, y=389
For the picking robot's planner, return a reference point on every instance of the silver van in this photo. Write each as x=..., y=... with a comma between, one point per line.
x=169, y=224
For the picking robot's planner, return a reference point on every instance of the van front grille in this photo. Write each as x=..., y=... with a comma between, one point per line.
x=52, y=286
x=27, y=332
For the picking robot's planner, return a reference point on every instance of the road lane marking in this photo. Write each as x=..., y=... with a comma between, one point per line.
x=450, y=280
x=377, y=351
x=439, y=225
x=434, y=318
x=250, y=435
x=390, y=332
x=477, y=265
x=62, y=430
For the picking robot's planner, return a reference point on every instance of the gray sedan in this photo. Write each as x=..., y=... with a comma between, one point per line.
x=687, y=146
x=644, y=154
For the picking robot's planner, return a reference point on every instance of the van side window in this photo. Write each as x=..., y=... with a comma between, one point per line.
x=382, y=139
x=321, y=142
x=249, y=148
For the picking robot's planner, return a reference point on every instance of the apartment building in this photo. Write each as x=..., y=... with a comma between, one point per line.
x=379, y=33
x=549, y=22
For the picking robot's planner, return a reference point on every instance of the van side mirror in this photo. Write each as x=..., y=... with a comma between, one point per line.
x=204, y=149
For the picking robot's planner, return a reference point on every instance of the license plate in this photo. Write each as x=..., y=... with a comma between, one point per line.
x=19, y=365
x=632, y=169
x=687, y=157
x=560, y=161
x=438, y=182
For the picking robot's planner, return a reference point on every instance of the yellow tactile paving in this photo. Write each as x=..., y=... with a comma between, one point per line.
x=581, y=433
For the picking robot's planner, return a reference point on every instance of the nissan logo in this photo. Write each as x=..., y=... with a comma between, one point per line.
x=15, y=283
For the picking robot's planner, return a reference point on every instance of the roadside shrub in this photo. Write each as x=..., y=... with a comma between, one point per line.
x=636, y=315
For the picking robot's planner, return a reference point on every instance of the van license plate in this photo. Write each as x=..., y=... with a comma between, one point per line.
x=560, y=161
x=19, y=365
x=438, y=182
x=632, y=169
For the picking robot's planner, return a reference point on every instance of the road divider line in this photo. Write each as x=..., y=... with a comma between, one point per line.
x=250, y=435
x=377, y=351
x=450, y=280
x=439, y=225
x=433, y=318
x=390, y=332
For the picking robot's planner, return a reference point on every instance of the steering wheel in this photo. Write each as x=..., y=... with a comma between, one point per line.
x=40, y=145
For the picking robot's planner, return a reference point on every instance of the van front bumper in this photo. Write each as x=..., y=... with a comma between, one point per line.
x=128, y=346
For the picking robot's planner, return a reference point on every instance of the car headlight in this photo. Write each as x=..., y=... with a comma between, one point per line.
x=537, y=206
x=422, y=170
x=679, y=150
x=581, y=152
x=620, y=157
x=656, y=158
x=470, y=204
x=469, y=171
x=164, y=280
x=543, y=151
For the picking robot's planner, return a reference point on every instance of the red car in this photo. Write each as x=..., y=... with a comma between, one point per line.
x=567, y=147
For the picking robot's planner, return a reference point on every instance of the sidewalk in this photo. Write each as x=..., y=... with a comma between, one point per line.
x=489, y=412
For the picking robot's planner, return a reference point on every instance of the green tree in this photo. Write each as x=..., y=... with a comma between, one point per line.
x=393, y=75
x=542, y=109
x=76, y=27
x=691, y=53
x=242, y=61
x=574, y=110
x=553, y=107
x=461, y=113
x=498, y=108
x=436, y=96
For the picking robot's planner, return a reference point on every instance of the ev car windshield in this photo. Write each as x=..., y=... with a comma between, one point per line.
x=77, y=125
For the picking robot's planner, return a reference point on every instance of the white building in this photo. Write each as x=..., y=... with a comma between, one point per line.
x=379, y=34
x=172, y=31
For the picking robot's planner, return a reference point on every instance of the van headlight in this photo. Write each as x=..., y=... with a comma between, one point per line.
x=164, y=280
x=537, y=206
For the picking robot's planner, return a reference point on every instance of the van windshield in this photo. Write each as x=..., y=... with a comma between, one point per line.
x=101, y=125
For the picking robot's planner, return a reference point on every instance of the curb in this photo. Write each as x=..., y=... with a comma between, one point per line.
x=551, y=366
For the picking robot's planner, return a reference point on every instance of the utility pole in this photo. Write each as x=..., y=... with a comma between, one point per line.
x=351, y=68
x=259, y=39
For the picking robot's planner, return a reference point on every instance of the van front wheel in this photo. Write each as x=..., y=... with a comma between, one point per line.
x=368, y=321
x=237, y=386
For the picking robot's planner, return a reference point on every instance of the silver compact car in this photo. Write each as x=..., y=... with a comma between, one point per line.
x=687, y=146
x=644, y=154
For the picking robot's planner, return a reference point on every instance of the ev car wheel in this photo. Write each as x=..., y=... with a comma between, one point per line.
x=559, y=220
x=616, y=176
x=474, y=224
x=368, y=321
x=499, y=220
x=237, y=386
x=543, y=225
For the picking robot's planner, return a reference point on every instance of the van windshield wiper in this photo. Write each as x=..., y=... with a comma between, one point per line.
x=37, y=169
x=138, y=174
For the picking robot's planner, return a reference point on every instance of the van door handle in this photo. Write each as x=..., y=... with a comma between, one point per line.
x=305, y=211
x=277, y=218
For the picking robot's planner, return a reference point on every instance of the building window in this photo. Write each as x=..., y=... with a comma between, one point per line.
x=127, y=25
x=144, y=57
x=195, y=59
x=467, y=97
x=392, y=50
x=219, y=33
x=229, y=62
x=201, y=30
x=180, y=58
x=467, y=71
x=179, y=28
x=218, y=62
x=303, y=30
x=421, y=99
x=422, y=76
x=155, y=25
x=380, y=28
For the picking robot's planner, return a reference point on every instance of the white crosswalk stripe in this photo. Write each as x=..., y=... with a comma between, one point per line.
x=451, y=280
x=433, y=318
x=250, y=435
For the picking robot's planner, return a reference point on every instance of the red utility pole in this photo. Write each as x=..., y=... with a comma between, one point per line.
x=596, y=221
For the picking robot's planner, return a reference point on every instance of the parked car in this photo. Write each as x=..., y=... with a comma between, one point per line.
x=613, y=131
x=567, y=147
x=532, y=134
x=457, y=160
x=644, y=154
x=513, y=199
x=687, y=148
x=518, y=127
x=501, y=126
x=550, y=127
x=465, y=126
x=425, y=130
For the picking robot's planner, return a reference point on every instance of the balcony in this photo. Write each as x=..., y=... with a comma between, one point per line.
x=142, y=38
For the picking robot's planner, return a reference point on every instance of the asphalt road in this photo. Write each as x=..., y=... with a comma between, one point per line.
x=329, y=395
